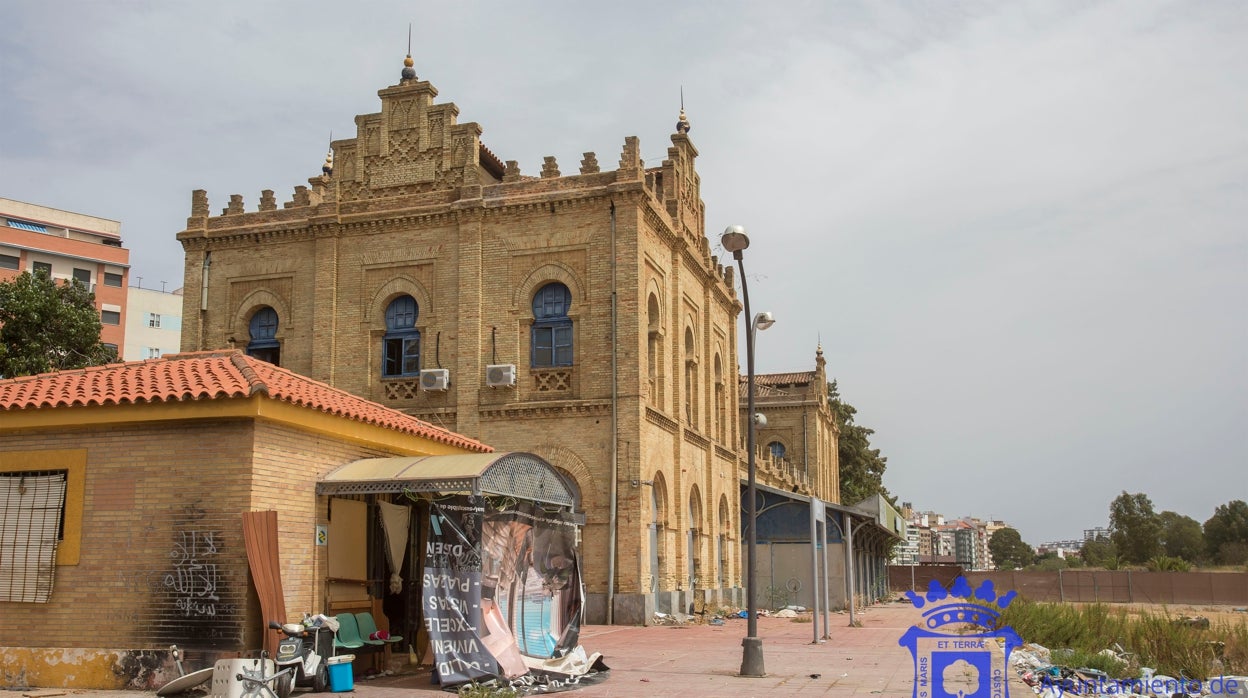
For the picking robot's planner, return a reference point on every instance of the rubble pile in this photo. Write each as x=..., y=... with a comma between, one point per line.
x=1046, y=672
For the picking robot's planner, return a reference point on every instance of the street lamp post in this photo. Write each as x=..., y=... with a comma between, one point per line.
x=735, y=241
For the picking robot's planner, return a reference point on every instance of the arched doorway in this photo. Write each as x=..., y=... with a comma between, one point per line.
x=721, y=544
x=658, y=519
x=693, y=542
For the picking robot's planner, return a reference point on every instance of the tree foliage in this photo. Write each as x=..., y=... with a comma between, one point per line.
x=862, y=467
x=1226, y=533
x=1008, y=550
x=1182, y=537
x=1100, y=552
x=1135, y=527
x=48, y=326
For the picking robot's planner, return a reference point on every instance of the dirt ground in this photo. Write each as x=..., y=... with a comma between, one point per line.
x=1215, y=614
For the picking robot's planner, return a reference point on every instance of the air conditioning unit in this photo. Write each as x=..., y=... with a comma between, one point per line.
x=435, y=379
x=500, y=376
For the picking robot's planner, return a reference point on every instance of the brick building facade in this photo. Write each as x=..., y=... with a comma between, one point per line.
x=576, y=315
x=69, y=247
x=154, y=466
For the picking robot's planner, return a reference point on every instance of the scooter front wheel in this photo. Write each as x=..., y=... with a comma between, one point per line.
x=284, y=685
x=320, y=680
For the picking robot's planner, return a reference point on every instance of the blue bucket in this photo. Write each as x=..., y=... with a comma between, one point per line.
x=340, y=676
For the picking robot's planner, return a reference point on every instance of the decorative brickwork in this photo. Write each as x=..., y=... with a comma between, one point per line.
x=418, y=206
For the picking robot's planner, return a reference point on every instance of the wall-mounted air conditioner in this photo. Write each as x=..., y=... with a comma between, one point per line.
x=435, y=379
x=500, y=375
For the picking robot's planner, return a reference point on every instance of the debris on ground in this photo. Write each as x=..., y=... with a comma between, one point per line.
x=1049, y=674
x=1198, y=622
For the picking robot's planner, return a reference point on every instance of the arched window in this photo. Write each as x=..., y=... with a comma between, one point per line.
x=654, y=349
x=552, y=328
x=691, y=379
x=777, y=449
x=263, y=343
x=401, y=345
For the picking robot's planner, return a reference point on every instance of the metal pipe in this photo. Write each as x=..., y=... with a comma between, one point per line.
x=752, y=657
x=827, y=581
x=849, y=566
x=814, y=562
x=615, y=430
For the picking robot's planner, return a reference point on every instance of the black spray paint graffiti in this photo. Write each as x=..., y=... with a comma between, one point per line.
x=193, y=581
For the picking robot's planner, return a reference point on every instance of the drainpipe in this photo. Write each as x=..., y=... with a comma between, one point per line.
x=203, y=296
x=615, y=429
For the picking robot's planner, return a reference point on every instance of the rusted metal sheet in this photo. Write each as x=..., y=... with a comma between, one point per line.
x=260, y=539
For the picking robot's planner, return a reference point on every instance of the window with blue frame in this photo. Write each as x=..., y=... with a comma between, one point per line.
x=401, y=345
x=552, y=328
x=777, y=449
x=263, y=330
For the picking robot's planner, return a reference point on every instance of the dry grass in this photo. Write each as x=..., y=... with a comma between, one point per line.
x=1149, y=633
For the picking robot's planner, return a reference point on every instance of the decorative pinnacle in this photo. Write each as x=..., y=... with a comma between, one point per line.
x=682, y=124
x=409, y=73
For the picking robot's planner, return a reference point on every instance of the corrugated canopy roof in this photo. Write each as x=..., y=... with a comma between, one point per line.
x=520, y=475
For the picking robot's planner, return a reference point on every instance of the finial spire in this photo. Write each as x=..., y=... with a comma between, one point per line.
x=682, y=124
x=328, y=168
x=409, y=73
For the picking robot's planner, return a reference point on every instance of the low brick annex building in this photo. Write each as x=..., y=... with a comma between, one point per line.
x=129, y=486
x=578, y=314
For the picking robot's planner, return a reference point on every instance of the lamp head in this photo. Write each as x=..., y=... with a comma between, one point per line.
x=760, y=419
x=764, y=320
x=734, y=239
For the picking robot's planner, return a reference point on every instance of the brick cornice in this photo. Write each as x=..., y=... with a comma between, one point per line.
x=661, y=420
x=579, y=408
x=695, y=438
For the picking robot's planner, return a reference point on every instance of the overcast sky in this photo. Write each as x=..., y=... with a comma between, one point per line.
x=1018, y=229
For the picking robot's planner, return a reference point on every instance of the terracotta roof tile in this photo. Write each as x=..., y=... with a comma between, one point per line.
x=781, y=378
x=210, y=375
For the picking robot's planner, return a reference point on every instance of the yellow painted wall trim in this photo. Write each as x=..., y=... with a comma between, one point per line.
x=74, y=462
x=354, y=431
x=224, y=408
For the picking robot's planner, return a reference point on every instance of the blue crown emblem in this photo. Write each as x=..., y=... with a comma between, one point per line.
x=955, y=613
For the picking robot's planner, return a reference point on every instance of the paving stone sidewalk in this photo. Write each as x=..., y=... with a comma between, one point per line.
x=703, y=660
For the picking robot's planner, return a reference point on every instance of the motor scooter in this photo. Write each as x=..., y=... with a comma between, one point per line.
x=303, y=650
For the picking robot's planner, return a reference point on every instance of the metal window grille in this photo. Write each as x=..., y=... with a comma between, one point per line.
x=32, y=506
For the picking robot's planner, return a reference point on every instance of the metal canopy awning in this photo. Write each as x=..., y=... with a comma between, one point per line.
x=512, y=474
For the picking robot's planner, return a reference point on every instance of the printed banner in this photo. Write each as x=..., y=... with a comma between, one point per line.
x=501, y=582
x=451, y=590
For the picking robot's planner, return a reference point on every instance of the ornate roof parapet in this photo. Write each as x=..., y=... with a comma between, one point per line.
x=512, y=173
x=550, y=168
x=267, y=201
x=589, y=164
x=631, y=165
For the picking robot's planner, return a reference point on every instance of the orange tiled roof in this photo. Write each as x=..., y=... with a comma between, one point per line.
x=209, y=375
x=781, y=378
x=764, y=390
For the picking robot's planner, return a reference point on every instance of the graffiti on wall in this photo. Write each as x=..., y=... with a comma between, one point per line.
x=193, y=580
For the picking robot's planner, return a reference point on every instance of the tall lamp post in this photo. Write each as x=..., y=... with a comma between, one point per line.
x=735, y=241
